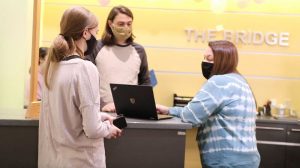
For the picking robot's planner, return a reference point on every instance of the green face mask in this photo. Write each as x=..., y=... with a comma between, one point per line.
x=121, y=33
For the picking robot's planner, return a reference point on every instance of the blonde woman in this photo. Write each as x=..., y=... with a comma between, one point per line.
x=71, y=128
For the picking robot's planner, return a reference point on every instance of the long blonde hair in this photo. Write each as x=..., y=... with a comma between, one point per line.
x=72, y=25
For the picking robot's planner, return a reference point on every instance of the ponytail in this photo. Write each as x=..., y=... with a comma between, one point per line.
x=60, y=48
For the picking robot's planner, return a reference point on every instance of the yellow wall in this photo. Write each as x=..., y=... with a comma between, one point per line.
x=15, y=54
x=272, y=71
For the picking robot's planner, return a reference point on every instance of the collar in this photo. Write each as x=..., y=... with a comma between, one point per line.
x=71, y=57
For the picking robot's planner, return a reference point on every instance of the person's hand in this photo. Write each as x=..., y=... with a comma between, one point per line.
x=107, y=117
x=162, y=109
x=114, y=132
x=110, y=107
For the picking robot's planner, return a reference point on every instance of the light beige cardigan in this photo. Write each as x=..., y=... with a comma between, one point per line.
x=71, y=131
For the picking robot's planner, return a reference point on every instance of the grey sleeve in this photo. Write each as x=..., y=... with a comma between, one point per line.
x=93, y=55
x=143, y=76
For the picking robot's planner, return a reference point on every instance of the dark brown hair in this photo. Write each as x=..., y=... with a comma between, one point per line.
x=225, y=57
x=43, y=51
x=107, y=36
x=72, y=25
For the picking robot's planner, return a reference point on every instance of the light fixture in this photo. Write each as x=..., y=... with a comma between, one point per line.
x=104, y=2
x=218, y=6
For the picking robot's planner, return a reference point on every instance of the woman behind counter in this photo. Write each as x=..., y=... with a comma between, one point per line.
x=71, y=128
x=224, y=110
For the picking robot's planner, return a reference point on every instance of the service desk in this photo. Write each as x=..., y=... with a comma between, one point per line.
x=148, y=144
x=144, y=143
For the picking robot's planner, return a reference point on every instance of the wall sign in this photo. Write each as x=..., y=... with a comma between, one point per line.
x=239, y=36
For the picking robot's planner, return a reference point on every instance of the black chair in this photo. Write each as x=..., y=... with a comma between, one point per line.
x=181, y=101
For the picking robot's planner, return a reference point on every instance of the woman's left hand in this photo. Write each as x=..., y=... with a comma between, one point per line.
x=162, y=109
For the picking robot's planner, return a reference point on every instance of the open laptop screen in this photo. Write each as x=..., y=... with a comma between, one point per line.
x=136, y=101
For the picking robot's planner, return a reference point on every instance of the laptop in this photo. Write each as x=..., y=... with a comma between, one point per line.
x=135, y=101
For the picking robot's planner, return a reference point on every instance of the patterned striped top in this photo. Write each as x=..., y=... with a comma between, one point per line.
x=225, y=111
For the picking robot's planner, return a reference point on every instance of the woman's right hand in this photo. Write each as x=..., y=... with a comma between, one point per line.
x=114, y=132
x=162, y=109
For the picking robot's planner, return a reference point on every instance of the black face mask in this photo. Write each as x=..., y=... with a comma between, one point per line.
x=206, y=69
x=91, y=44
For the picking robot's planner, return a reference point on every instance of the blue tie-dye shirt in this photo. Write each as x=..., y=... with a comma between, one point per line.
x=225, y=110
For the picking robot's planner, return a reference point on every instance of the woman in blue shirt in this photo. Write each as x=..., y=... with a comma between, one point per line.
x=224, y=110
